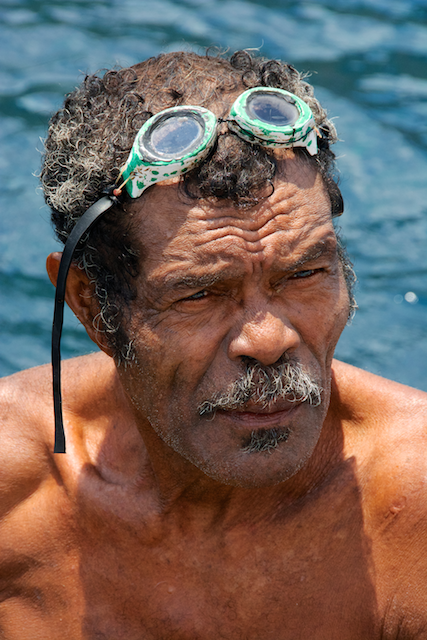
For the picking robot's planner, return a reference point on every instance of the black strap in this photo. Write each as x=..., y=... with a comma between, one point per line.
x=82, y=226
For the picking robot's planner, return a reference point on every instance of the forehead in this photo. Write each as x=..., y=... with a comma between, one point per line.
x=182, y=234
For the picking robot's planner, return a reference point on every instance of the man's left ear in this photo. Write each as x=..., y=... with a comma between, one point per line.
x=79, y=295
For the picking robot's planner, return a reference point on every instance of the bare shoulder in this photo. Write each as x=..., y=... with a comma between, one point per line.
x=384, y=424
x=26, y=422
x=385, y=432
x=386, y=438
x=371, y=399
x=24, y=460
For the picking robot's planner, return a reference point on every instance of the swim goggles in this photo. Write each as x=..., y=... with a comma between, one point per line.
x=168, y=145
x=176, y=140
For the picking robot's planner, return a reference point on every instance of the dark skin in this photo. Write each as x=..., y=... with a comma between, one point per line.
x=156, y=524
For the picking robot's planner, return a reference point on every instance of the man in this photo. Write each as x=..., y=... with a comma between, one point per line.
x=224, y=477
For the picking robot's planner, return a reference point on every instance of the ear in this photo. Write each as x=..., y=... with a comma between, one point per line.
x=79, y=295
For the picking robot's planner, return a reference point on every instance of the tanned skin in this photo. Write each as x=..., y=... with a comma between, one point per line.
x=156, y=524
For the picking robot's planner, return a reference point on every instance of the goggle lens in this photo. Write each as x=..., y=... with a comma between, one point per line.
x=174, y=136
x=272, y=109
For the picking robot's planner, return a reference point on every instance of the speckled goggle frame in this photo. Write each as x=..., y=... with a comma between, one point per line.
x=143, y=169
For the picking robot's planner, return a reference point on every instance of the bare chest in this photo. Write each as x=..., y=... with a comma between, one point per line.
x=305, y=578
x=219, y=593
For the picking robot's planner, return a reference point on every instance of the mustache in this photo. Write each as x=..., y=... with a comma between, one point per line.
x=264, y=385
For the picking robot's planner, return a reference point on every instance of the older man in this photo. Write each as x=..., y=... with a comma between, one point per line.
x=224, y=477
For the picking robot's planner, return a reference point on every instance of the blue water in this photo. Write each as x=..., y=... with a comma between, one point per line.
x=368, y=61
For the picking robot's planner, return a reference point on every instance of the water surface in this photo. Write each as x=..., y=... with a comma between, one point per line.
x=368, y=61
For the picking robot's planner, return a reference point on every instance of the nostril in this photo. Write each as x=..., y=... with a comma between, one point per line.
x=264, y=340
x=283, y=359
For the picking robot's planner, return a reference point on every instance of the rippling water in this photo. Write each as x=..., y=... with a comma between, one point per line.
x=369, y=65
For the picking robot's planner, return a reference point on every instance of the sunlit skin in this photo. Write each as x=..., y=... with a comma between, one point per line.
x=157, y=524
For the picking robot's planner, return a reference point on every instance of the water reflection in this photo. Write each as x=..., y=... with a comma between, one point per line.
x=370, y=59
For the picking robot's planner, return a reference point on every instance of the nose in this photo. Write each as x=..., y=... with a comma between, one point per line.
x=263, y=336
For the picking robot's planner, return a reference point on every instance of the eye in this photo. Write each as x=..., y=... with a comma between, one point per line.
x=196, y=296
x=305, y=274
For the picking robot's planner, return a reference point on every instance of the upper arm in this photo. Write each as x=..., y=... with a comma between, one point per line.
x=24, y=452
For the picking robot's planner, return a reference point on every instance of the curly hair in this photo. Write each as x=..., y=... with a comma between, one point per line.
x=90, y=137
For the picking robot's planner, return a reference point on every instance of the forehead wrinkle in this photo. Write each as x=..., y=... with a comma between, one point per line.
x=220, y=265
x=227, y=240
x=289, y=197
x=253, y=234
x=253, y=220
x=226, y=248
x=282, y=225
x=284, y=217
x=289, y=236
x=181, y=276
x=310, y=250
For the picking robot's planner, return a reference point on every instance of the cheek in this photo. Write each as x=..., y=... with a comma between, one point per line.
x=171, y=359
x=335, y=318
x=169, y=343
x=322, y=318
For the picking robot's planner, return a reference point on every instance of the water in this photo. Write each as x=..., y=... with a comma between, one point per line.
x=369, y=65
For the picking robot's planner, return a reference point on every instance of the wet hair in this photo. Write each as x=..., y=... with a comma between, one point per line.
x=90, y=137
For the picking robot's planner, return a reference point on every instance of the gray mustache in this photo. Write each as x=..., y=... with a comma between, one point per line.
x=263, y=385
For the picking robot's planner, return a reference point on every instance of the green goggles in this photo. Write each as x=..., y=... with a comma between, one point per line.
x=176, y=140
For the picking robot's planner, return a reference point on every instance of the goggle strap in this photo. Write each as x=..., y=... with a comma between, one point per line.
x=82, y=226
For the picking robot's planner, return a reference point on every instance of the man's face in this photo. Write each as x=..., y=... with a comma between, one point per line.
x=221, y=288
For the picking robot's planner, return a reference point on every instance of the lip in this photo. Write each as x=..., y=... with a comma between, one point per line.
x=254, y=417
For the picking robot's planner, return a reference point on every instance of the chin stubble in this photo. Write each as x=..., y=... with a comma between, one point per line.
x=265, y=440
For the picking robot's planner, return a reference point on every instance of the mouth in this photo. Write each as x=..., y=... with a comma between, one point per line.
x=262, y=429
x=256, y=417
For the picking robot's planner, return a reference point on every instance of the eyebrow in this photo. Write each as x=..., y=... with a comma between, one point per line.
x=180, y=280
x=327, y=247
x=176, y=280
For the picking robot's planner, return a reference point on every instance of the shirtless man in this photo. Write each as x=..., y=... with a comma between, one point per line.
x=224, y=477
